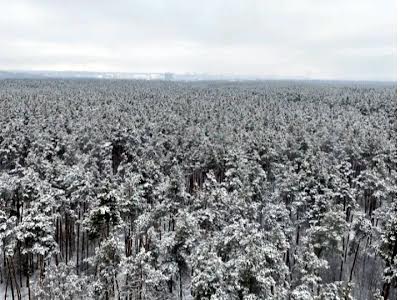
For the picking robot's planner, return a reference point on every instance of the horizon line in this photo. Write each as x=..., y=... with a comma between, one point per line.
x=212, y=76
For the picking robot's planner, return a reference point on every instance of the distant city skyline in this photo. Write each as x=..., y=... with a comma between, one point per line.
x=341, y=40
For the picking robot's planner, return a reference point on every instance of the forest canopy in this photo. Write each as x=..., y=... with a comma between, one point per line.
x=114, y=189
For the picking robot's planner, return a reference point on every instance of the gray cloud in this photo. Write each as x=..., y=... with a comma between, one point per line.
x=320, y=39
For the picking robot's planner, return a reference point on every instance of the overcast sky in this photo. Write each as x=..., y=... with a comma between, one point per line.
x=341, y=39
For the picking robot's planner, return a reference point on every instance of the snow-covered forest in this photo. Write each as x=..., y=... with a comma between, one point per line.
x=114, y=189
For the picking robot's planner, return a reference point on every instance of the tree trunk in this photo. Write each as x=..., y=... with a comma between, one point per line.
x=15, y=279
x=180, y=283
x=6, y=289
x=28, y=286
x=20, y=267
x=385, y=290
x=354, y=262
x=77, y=242
x=11, y=280
x=66, y=239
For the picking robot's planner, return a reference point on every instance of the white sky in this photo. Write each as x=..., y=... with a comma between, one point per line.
x=341, y=39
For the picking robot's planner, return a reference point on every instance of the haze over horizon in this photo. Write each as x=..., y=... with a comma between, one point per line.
x=340, y=40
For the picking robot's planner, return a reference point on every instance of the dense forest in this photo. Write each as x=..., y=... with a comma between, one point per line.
x=114, y=189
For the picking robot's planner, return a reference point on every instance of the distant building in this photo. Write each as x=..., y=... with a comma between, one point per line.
x=168, y=76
